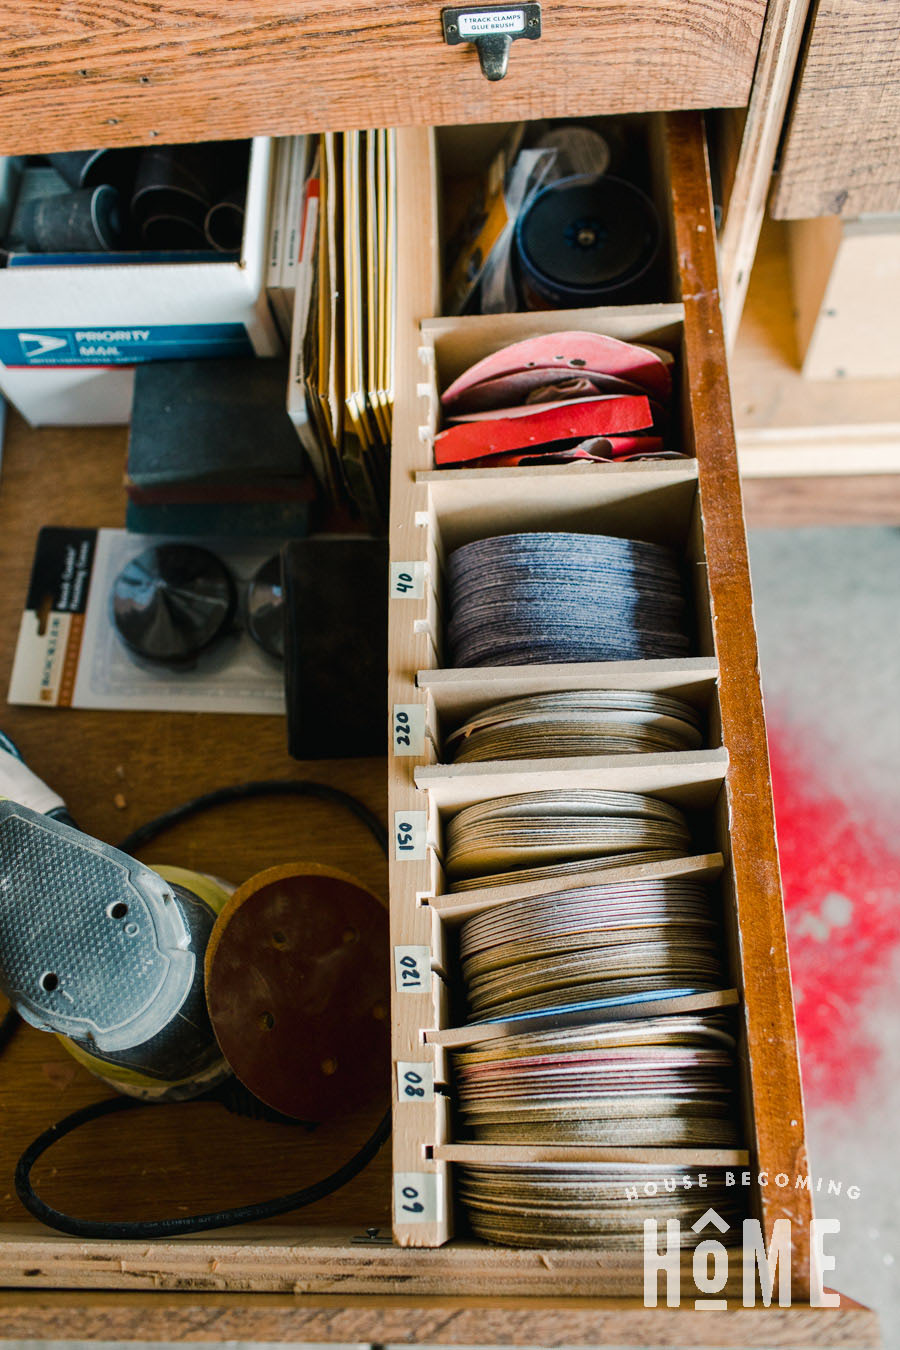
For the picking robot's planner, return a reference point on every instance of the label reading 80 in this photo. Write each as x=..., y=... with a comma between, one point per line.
x=415, y=1082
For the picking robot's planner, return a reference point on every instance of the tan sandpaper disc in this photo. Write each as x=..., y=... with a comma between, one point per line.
x=298, y=990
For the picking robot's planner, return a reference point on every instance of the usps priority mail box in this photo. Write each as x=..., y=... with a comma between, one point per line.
x=71, y=335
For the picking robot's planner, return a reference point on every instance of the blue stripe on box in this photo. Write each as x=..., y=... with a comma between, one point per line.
x=110, y=345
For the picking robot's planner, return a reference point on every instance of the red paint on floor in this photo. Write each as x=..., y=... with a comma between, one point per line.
x=842, y=896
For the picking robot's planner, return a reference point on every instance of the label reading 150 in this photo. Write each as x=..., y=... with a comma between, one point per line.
x=408, y=733
x=410, y=835
x=415, y=1082
x=412, y=970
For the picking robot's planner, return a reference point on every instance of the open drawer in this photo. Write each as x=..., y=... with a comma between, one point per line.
x=332, y=1273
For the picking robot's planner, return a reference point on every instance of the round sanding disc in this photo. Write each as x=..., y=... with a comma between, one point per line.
x=298, y=989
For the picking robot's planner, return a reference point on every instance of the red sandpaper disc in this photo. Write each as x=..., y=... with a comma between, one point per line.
x=298, y=990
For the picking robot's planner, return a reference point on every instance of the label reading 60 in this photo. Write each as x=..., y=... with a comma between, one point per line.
x=415, y=1197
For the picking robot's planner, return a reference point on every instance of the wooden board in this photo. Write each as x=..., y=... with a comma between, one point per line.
x=749, y=142
x=842, y=151
x=126, y=73
x=774, y=1072
x=791, y=427
x=787, y=503
x=846, y=284
x=388, y=1320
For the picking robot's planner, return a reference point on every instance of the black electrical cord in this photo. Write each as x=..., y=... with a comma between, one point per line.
x=193, y=1223
x=265, y=787
x=226, y=1218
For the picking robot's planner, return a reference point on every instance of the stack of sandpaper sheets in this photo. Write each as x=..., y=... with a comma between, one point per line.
x=577, y=722
x=662, y=1082
x=527, y=599
x=544, y=972
x=559, y=398
x=341, y=384
x=591, y=1204
x=535, y=835
x=590, y=944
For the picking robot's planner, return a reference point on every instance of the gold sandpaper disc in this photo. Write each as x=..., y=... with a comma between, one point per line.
x=298, y=990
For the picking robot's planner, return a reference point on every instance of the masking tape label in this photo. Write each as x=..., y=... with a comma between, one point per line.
x=415, y=1082
x=412, y=970
x=410, y=835
x=408, y=729
x=407, y=580
x=416, y=1197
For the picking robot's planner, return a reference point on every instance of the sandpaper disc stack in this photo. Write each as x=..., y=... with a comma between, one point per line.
x=589, y=944
x=577, y=722
x=528, y=599
x=591, y=1204
x=535, y=835
x=660, y=1082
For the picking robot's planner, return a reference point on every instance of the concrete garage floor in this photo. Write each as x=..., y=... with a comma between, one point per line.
x=828, y=619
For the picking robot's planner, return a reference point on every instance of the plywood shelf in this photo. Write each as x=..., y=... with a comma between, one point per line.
x=802, y=432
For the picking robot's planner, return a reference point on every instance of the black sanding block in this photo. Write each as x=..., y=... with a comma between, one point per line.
x=336, y=607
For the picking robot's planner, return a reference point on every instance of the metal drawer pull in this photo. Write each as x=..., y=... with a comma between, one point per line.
x=492, y=30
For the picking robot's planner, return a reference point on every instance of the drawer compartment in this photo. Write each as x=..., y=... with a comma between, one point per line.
x=691, y=505
x=332, y=1272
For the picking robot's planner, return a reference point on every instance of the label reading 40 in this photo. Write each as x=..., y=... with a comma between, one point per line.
x=407, y=580
x=412, y=970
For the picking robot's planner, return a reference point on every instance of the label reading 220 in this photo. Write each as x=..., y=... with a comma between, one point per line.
x=408, y=729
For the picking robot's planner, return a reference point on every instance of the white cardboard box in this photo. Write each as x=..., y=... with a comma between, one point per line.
x=70, y=335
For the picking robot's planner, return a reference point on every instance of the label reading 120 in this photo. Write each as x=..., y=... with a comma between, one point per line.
x=415, y=1082
x=412, y=970
x=410, y=835
x=408, y=729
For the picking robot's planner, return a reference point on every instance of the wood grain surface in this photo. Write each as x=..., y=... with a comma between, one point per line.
x=180, y=1159
x=123, y=72
x=757, y=134
x=786, y=503
x=771, y=1038
x=842, y=152
x=446, y=1321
